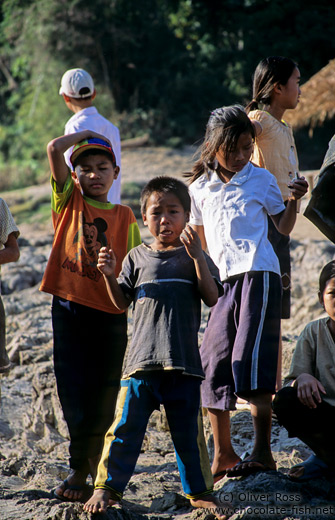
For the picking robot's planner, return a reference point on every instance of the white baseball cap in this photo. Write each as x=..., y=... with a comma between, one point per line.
x=77, y=83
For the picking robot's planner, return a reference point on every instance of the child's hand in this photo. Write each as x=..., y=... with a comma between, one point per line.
x=298, y=187
x=192, y=243
x=308, y=390
x=106, y=261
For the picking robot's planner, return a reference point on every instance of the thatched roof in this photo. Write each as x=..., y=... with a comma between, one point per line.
x=317, y=101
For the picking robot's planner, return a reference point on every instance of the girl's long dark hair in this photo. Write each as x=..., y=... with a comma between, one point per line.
x=328, y=272
x=224, y=127
x=269, y=72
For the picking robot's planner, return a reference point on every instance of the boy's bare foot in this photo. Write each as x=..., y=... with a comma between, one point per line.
x=212, y=506
x=73, y=487
x=99, y=501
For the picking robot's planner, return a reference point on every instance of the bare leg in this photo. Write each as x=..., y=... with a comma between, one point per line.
x=261, y=457
x=224, y=454
x=4, y=360
x=211, y=504
x=261, y=412
x=279, y=382
x=99, y=502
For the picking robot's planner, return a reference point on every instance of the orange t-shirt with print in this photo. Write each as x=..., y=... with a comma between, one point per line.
x=82, y=226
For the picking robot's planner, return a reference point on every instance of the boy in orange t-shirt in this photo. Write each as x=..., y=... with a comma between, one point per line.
x=90, y=334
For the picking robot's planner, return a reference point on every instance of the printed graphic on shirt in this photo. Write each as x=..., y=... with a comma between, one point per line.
x=89, y=239
x=86, y=245
x=82, y=226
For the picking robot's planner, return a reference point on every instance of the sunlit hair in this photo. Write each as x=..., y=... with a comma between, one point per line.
x=328, y=272
x=269, y=72
x=224, y=127
x=166, y=185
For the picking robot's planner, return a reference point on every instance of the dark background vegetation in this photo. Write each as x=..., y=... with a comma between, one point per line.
x=159, y=66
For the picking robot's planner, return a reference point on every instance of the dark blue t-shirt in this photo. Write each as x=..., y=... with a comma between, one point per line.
x=167, y=310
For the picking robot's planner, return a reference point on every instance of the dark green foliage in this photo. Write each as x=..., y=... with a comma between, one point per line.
x=160, y=66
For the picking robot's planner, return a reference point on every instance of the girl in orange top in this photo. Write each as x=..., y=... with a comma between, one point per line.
x=276, y=89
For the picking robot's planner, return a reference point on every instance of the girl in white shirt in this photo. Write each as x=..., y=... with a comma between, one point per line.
x=231, y=199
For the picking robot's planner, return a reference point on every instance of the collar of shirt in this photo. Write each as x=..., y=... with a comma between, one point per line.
x=89, y=111
x=237, y=179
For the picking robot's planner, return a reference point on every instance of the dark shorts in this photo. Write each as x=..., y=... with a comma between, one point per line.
x=239, y=352
x=301, y=421
x=281, y=246
x=89, y=347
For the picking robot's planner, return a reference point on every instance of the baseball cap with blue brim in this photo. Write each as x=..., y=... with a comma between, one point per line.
x=92, y=144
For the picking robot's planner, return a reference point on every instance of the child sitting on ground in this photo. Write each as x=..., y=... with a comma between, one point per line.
x=9, y=252
x=90, y=333
x=166, y=281
x=306, y=404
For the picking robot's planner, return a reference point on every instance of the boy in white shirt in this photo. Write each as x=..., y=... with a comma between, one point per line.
x=78, y=91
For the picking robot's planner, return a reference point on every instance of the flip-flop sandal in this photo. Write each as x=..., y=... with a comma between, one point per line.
x=313, y=468
x=239, y=471
x=66, y=485
x=219, y=475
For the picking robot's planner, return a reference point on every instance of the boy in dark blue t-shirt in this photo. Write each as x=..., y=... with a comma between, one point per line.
x=166, y=281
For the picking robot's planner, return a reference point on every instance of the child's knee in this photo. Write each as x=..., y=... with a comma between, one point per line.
x=284, y=398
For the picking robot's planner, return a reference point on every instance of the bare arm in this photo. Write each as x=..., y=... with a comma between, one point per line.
x=206, y=284
x=106, y=265
x=11, y=252
x=285, y=220
x=201, y=232
x=56, y=149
